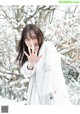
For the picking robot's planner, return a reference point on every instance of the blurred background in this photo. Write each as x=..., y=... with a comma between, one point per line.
x=60, y=24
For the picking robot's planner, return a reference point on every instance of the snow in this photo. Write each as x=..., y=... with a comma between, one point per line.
x=61, y=27
x=5, y=101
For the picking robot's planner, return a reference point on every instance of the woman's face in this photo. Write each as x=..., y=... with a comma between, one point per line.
x=31, y=41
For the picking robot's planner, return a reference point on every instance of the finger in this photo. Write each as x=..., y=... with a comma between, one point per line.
x=32, y=48
x=26, y=53
x=39, y=58
x=29, y=50
x=37, y=48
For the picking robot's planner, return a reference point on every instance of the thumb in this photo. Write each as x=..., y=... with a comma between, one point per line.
x=25, y=53
x=39, y=58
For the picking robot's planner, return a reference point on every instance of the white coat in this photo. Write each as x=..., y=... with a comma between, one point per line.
x=47, y=84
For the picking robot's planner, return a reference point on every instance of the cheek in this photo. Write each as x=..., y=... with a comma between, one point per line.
x=36, y=48
x=36, y=42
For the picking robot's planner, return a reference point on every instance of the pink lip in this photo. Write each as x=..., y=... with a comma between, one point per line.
x=35, y=45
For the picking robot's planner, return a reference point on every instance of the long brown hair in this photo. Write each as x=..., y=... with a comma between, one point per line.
x=22, y=58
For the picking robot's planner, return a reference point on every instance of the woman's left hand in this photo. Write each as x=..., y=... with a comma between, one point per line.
x=33, y=58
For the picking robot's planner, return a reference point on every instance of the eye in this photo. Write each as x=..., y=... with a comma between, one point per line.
x=34, y=38
x=27, y=39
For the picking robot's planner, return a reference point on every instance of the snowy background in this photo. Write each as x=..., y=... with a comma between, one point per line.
x=60, y=24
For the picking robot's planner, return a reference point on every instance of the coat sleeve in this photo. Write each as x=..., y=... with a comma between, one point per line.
x=54, y=87
x=27, y=73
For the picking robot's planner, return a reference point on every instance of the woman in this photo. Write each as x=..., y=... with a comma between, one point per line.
x=40, y=62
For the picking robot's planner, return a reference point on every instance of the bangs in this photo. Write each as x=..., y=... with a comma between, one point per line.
x=30, y=34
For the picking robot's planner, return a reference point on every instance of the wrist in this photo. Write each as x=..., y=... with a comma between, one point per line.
x=30, y=67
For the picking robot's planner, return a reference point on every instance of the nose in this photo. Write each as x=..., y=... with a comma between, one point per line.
x=31, y=42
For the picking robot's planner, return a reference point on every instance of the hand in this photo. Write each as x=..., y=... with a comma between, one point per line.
x=32, y=57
